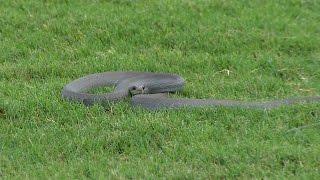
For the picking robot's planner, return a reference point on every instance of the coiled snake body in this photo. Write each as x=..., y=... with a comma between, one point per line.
x=149, y=90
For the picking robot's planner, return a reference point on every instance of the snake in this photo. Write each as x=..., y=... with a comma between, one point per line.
x=152, y=91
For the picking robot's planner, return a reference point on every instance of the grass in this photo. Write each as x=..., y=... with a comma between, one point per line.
x=244, y=50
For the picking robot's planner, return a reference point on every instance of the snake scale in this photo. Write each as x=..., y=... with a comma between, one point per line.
x=150, y=90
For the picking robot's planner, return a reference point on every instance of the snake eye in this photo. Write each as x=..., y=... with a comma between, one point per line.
x=133, y=88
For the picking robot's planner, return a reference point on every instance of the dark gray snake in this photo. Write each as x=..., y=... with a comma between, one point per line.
x=150, y=90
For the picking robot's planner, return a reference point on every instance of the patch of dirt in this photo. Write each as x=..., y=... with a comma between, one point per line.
x=2, y=112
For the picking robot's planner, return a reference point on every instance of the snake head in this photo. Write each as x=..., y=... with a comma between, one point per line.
x=141, y=89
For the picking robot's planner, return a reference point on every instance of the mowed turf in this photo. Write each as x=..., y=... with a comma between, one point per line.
x=242, y=50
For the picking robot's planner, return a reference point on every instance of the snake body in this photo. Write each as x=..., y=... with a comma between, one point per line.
x=150, y=90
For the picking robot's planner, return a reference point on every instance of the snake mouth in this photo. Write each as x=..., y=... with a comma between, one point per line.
x=134, y=90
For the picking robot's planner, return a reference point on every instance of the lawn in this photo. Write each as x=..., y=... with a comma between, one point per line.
x=242, y=50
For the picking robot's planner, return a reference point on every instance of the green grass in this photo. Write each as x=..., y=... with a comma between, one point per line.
x=244, y=50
